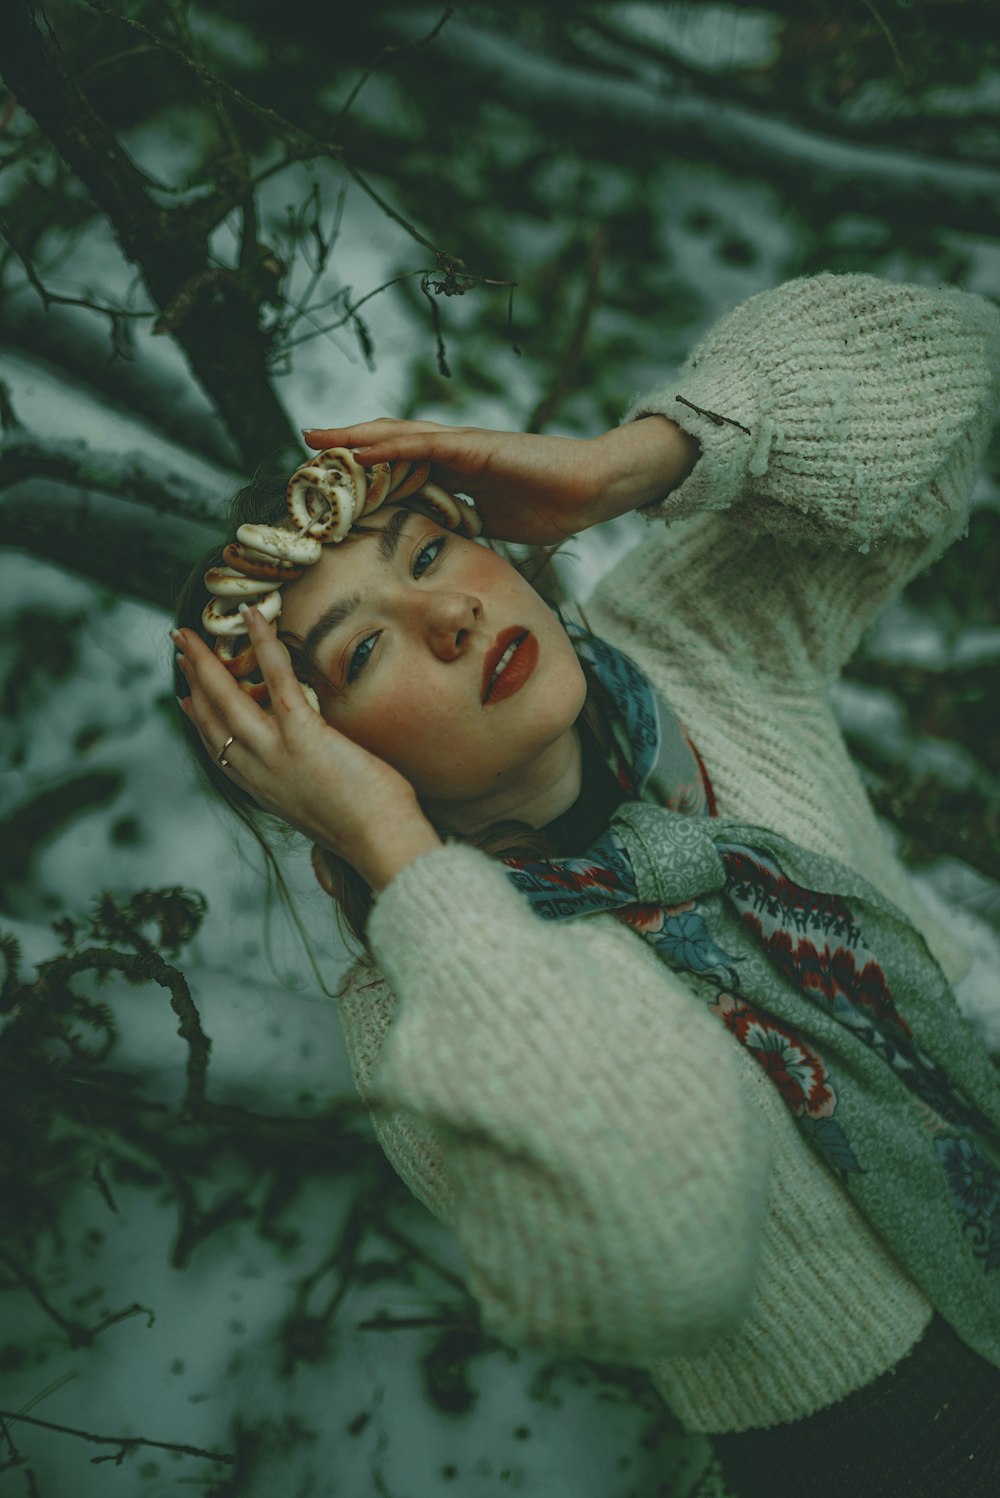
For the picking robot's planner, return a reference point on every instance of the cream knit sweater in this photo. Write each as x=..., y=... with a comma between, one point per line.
x=625, y=1182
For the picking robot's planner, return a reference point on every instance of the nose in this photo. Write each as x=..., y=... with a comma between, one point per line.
x=449, y=622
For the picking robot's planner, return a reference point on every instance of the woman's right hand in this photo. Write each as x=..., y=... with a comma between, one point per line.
x=296, y=766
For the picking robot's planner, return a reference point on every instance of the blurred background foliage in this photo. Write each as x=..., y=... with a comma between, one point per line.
x=560, y=198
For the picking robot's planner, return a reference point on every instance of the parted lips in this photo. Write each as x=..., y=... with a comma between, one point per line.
x=326, y=495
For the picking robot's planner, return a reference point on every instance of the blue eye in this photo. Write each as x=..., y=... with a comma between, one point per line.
x=362, y=652
x=431, y=552
x=360, y=656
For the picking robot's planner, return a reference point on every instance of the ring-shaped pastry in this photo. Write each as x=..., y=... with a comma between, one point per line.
x=258, y=564
x=221, y=616
x=284, y=545
x=236, y=654
x=227, y=582
x=413, y=481
x=378, y=488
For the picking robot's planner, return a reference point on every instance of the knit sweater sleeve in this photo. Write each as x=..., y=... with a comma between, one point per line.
x=848, y=411
x=567, y=1106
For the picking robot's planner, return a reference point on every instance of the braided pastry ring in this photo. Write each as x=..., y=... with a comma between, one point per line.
x=454, y=513
x=379, y=486
x=228, y=582
x=411, y=482
x=221, y=616
x=326, y=495
x=238, y=659
x=259, y=564
x=280, y=544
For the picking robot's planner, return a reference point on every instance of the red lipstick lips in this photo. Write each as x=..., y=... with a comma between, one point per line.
x=515, y=650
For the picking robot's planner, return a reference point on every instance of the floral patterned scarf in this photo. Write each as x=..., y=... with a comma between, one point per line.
x=830, y=988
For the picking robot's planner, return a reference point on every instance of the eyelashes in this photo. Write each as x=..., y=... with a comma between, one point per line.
x=360, y=655
x=363, y=650
x=436, y=545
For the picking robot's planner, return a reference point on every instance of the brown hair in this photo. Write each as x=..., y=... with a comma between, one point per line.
x=263, y=502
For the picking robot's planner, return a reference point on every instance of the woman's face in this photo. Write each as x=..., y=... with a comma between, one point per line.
x=409, y=626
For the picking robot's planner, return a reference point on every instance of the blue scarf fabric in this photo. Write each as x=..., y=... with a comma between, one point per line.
x=828, y=986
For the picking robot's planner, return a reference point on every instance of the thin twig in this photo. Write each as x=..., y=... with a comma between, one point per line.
x=713, y=416
x=349, y=312
x=116, y=315
x=127, y=1443
x=388, y=51
x=549, y=404
x=897, y=59
x=384, y=1323
x=78, y=1334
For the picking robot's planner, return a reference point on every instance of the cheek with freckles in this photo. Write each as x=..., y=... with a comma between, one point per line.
x=428, y=731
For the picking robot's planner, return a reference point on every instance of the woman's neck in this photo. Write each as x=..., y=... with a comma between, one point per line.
x=541, y=792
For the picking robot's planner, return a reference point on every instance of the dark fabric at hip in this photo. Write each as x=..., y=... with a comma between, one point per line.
x=930, y=1428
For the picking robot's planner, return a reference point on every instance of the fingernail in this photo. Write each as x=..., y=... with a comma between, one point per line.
x=175, y=635
x=310, y=431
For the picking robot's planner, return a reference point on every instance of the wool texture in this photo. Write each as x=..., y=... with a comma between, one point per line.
x=624, y=1181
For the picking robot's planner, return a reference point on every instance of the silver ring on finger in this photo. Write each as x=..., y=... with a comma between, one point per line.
x=220, y=758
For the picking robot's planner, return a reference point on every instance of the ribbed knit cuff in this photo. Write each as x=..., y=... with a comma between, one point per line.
x=728, y=443
x=868, y=406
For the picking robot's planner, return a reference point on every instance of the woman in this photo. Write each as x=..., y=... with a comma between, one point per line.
x=685, y=1075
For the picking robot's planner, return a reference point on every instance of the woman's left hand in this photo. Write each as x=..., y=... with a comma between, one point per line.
x=527, y=487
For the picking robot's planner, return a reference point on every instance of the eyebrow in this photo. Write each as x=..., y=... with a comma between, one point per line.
x=387, y=540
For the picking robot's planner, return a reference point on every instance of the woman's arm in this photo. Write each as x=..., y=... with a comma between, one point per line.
x=567, y=1107
x=839, y=409
x=835, y=410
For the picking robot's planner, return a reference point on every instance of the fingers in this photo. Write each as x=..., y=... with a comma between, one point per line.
x=218, y=706
x=389, y=440
x=212, y=748
x=363, y=433
x=275, y=666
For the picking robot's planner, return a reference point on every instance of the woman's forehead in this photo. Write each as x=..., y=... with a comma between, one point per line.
x=348, y=565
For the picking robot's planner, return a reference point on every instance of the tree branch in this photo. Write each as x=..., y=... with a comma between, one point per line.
x=168, y=246
x=123, y=520
x=824, y=175
x=127, y=1443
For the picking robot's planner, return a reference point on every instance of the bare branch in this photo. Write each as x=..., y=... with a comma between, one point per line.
x=126, y=1443
x=549, y=404
x=117, y=316
x=77, y=1334
x=350, y=311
